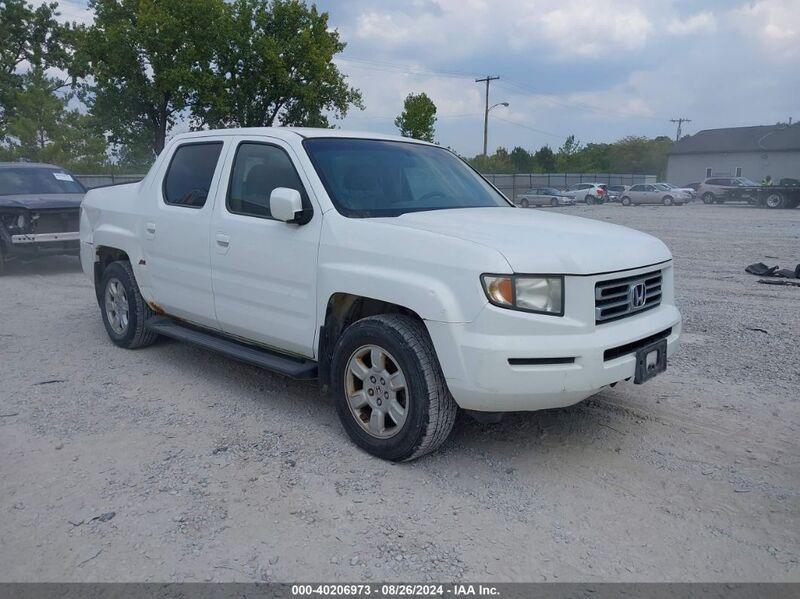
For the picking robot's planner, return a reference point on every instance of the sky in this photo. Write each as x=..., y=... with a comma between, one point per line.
x=598, y=69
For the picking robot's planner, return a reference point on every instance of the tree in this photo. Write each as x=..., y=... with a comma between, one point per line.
x=566, y=156
x=522, y=160
x=146, y=59
x=546, y=159
x=418, y=118
x=43, y=129
x=33, y=37
x=273, y=60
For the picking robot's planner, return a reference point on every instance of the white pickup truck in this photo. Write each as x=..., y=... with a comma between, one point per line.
x=385, y=267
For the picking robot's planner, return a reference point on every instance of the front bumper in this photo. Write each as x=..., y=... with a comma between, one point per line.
x=475, y=356
x=32, y=245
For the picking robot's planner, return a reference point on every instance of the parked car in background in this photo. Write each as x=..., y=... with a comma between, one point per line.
x=693, y=186
x=590, y=193
x=615, y=192
x=39, y=211
x=544, y=196
x=384, y=266
x=679, y=190
x=715, y=189
x=653, y=194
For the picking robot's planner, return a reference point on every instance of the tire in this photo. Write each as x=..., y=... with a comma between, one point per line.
x=709, y=198
x=775, y=200
x=118, y=290
x=589, y=200
x=554, y=202
x=667, y=201
x=626, y=201
x=429, y=411
x=524, y=203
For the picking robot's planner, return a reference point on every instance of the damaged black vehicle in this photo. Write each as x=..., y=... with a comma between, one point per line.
x=39, y=211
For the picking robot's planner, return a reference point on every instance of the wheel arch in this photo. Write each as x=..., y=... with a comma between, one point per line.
x=343, y=309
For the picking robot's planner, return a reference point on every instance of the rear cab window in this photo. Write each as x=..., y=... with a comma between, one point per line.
x=187, y=181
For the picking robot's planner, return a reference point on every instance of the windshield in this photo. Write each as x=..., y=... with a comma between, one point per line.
x=662, y=187
x=32, y=180
x=552, y=191
x=366, y=178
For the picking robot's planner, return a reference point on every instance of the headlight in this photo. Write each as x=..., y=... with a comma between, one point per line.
x=540, y=294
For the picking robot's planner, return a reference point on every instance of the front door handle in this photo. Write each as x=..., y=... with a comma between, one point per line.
x=223, y=243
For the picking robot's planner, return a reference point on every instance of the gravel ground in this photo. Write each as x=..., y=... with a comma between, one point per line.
x=174, y=464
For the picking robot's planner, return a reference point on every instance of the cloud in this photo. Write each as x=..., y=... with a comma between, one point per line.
x=774, y=25
x=697, y=23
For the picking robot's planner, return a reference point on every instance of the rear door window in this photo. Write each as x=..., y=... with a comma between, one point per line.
x=188, y=179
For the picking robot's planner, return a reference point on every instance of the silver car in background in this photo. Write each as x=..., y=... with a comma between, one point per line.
x=544, y=196
x=654, y=194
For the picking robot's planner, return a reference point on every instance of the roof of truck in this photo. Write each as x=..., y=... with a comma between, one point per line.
x=295, y=132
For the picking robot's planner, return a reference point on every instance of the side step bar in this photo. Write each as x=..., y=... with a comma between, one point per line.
x=291, y=366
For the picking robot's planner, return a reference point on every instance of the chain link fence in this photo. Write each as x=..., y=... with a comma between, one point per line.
x=511, y=185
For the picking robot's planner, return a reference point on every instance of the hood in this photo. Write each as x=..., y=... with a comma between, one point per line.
x=541, y=242
x=40, y=201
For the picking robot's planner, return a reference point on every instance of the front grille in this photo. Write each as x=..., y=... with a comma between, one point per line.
x=55, y=221
x=614, y=299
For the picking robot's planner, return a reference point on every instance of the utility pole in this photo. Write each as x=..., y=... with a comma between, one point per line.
x=680, y=122
x=488, y=79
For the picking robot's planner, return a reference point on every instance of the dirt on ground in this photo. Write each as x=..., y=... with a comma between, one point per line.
x=172, y=463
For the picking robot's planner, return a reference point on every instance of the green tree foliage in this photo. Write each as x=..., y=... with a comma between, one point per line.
x=146, y=59
x=273, y=60
x=418, y=119
x=567, y=157
x=42, y=128
x=522, y=160
x=637, y=155
x=545, y=159
x=33, y=36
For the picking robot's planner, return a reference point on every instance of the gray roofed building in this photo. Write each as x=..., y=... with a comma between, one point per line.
x=752, y=152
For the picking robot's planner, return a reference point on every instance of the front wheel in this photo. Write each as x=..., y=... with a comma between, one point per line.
x=667, y=201
x=626, y=201
x=524, y=203
x=708, y=198
x=554, y=202
x=123, y=307
x=389, y=390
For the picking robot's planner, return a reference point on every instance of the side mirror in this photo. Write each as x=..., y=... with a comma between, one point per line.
x=285, y=204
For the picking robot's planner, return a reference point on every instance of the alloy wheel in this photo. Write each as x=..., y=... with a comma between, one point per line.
x=117, y=309
x=376, y=391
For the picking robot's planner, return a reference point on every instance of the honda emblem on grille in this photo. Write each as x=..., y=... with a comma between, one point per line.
x=637, y=295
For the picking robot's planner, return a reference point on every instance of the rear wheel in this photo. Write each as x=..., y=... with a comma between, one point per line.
x=709, y=198
x=389, y=389
x=123, y=307
x=589, y=200
x=775, y=200
x=626, y=201
x=667, y=201
x=524, y=202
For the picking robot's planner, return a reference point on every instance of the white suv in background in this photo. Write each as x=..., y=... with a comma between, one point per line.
x=385, y=267
x=590, y=193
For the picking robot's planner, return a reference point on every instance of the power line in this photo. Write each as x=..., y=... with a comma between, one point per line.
x=680, y=122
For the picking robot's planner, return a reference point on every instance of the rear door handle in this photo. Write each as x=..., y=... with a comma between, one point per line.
x=150, y=230
x=223, y=243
